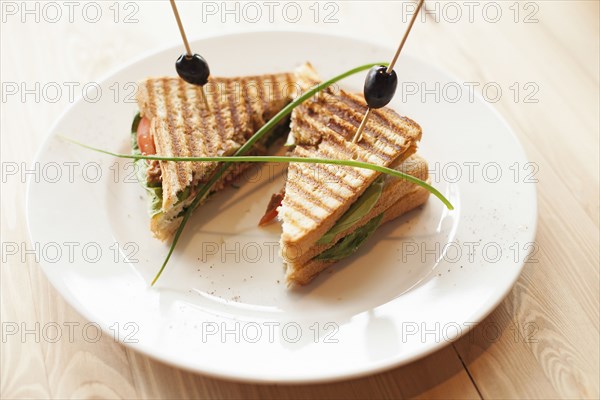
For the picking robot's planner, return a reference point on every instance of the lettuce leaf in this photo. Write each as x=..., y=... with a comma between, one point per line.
x=359, y=209
x=352, y=242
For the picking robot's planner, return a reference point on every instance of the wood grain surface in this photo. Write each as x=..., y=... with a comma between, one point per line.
x=546, y=340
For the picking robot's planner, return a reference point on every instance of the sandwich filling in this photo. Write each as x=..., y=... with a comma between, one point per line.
x=354, y=215
x=149, y=171
x=175, y=121
x=352, y=242
x=350, y=231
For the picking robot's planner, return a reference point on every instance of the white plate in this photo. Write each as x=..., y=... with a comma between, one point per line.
x=221, y=306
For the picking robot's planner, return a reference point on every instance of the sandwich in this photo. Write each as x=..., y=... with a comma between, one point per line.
x=328, y=211
x=174, y=121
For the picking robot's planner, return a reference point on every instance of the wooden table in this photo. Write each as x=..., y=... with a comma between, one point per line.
x=548, y=344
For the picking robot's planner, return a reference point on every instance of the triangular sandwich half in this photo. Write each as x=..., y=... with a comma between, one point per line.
x=328, y=211
x=174, y=121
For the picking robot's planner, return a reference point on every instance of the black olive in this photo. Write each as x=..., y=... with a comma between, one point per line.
x=193, y=69
x=380, y=86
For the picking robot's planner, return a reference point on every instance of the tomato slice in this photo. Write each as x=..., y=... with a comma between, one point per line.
x=144, y=138
x=271, y=212
x=268, y=217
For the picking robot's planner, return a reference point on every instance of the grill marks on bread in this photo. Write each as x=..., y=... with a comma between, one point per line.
x=182, y=127
x=323, y=127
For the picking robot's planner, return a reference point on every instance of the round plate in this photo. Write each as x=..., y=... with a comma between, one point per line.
x=222, y=307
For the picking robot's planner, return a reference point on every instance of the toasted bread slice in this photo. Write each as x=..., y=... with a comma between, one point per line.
x=394, y=189
x=181, y=125
x=316, y=197
x=302, y=275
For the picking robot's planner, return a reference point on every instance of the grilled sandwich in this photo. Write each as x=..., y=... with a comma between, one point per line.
x=174, y=121
x=328, y=211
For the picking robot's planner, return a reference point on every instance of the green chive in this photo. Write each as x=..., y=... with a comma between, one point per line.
x=238, y=157
x=287, y=159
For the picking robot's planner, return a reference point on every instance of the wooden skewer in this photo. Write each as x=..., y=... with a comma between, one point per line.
x=204, y=97
x=181, y=30
x=408, y=29
x=188, y=50
x=358, y=135
x=361, y=127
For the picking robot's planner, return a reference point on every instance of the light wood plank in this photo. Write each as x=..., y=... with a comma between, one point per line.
x=438, y=376
x=22, y=369
x=558, y=296
x=550, y=320
x=93, y=364
x=556, y=299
